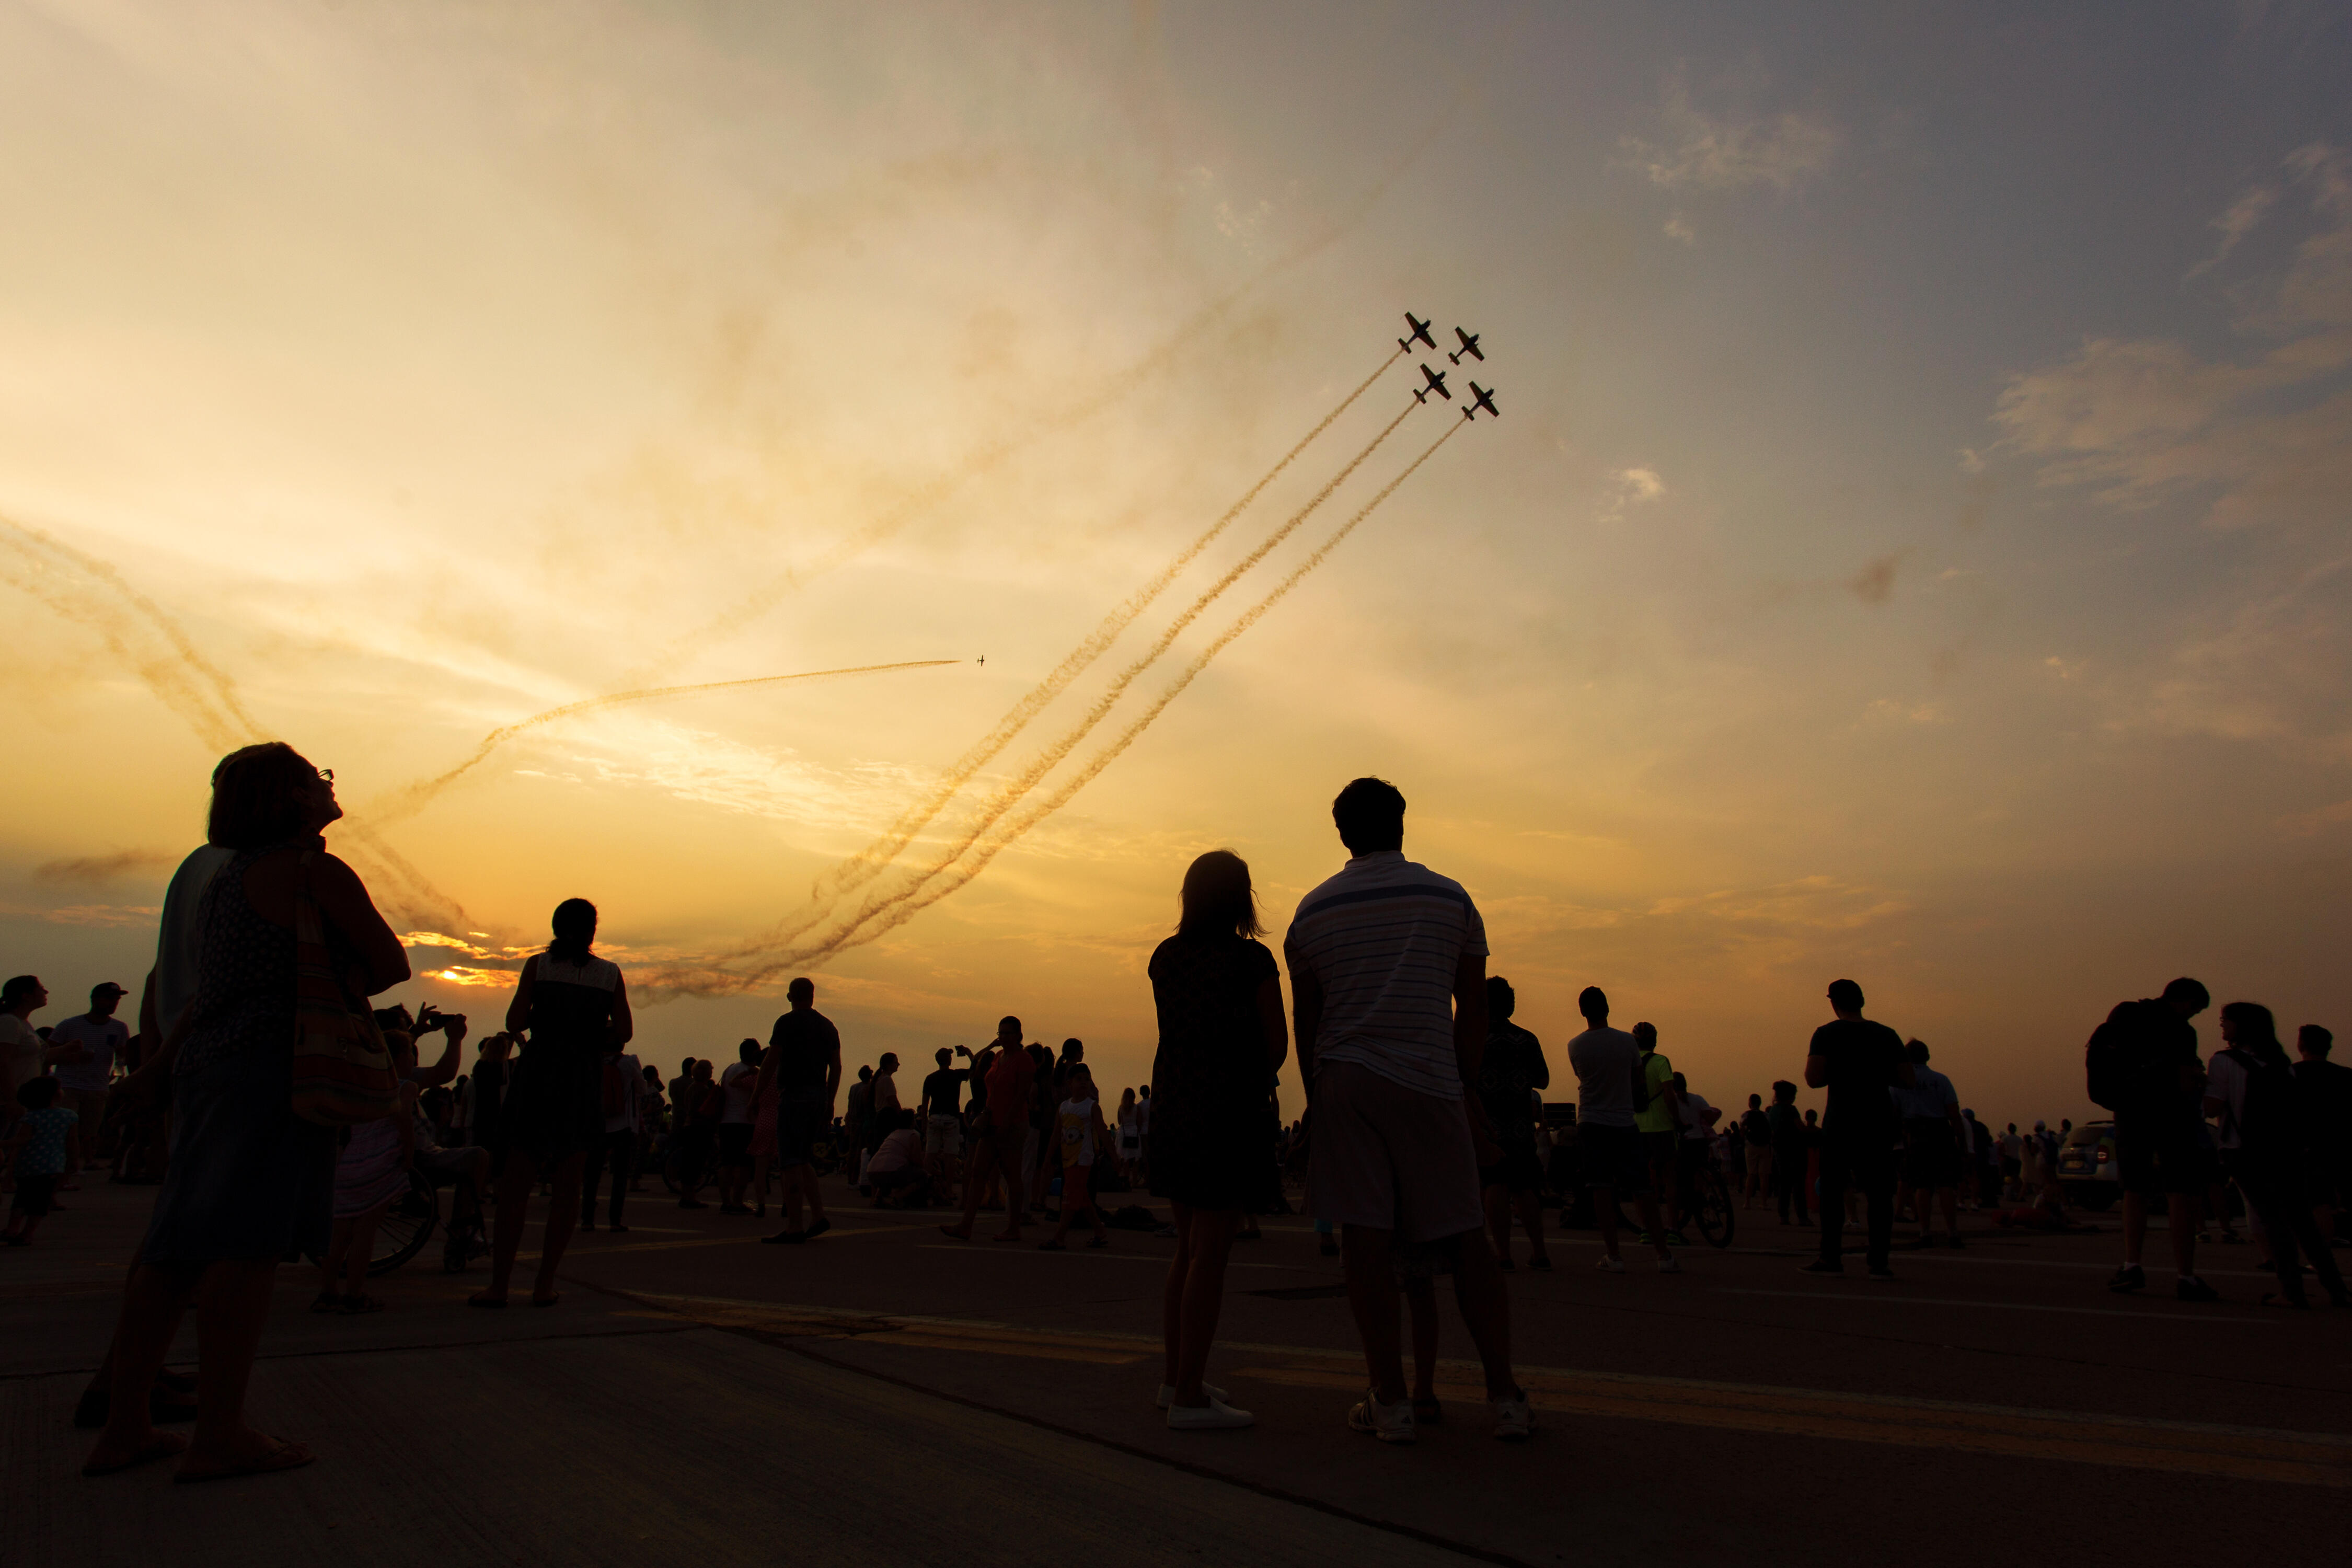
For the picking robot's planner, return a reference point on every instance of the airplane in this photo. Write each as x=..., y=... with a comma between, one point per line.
x=1436, y=384
x=1483, y=399
x=1420, y=331
x=983, y=659
x=1469, y=347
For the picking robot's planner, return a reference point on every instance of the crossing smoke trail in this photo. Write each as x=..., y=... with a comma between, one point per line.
x=410, y=799
x=193, y=687
x=1045, y=761
x=996, y=453
x=871, y=924
x=868, y=863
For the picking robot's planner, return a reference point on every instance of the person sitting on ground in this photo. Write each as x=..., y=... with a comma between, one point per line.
x=895, y=1177
x=46, y=1144
x=1081, y=1136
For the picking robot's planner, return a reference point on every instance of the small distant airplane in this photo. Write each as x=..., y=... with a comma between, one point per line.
x=1469, y=347
x=1436, y=384
x=1482, y=398
x=1420, y=331
x=983, y=658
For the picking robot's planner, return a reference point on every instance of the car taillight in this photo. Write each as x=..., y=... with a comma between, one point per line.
x=2104, y=1156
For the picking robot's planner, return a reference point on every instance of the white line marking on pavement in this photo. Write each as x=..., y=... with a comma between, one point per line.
x=2194, y=1319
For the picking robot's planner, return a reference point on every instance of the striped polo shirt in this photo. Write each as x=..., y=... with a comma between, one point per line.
x=1383, y=939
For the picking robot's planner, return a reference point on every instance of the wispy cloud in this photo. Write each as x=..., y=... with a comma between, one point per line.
x=2141, y=419
x=1630, y=487
x=1698, y=151
x=2237, y=221
x=105, y=868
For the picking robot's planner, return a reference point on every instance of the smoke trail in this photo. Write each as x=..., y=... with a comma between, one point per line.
x=195, y=689
x=868, y=863
x=906, y=908
x=871, y=924
x=995, y=453
x=182, y=679
x=1045, y=761
x=412, y=798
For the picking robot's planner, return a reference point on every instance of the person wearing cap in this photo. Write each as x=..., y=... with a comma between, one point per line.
x=83, y=1051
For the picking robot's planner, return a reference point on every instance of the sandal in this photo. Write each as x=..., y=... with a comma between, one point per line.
x=359, y=1306
x=327, y=1302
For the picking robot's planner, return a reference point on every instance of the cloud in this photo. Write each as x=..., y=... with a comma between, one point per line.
x=1971, y=461
x=1874, y=584
x=1677, y=228
x=2144, y=419
x=2237, y=221
x=1704, y=153
x=104, y=867
x=1630, y=487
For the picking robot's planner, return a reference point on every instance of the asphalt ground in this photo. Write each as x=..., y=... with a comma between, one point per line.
x=889, y=1394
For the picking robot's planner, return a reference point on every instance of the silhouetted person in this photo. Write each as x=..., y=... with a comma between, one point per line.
x=1510, y=1075
x=2255, y=1091
x=2143, y=1064
x=1611, y=1084
x=804, y=1061
x=1388, y=980
x=574, y=1008
x=1857, y=1062
x=1934, y=1137
x=250, y=1181
x=1791, y=1178
x=1218, y=997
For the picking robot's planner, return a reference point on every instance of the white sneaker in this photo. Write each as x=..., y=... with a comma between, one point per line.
x=1214, y=1416
x=1514, y=1421
x=1670, y=1265
x=1389, y=1423
x=1168, y=1393
x=1609, y=1264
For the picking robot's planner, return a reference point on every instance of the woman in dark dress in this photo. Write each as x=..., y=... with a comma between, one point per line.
x=1223, y=1034
x=575, y=1007
x=249, y=1182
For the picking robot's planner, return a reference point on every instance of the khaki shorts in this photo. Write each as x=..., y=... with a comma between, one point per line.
x=1391, y=1158
x=943, y=1136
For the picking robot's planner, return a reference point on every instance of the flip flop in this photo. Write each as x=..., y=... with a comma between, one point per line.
x=486, y=1301
x=359, y=1306
x=328, y=1301
x=282, y=1455
x=161, y=1445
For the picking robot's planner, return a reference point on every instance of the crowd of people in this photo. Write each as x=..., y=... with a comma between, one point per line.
x=282, y=1116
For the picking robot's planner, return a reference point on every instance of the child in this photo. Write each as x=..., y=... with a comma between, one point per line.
x=1083, y=1132
x=45, y=1146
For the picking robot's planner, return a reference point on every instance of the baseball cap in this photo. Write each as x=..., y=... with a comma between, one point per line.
x=107, y=988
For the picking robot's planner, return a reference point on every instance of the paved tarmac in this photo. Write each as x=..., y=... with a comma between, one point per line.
x=889, y=1395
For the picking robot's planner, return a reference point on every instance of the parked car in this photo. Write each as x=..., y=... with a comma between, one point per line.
x=2087, y=1171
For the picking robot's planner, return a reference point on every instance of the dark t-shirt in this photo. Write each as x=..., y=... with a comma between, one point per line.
x=1210, y=1068
x=1788, y=1128
x=1865, y=1060
x=1508, y=1075
x=2326, y=1090
x=806, y=1044
x=1010, y=1080
x=944, y=1090
x=1756, y=1128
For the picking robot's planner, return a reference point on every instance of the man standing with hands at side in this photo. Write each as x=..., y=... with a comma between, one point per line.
x=1857, y=1061
x=1387, y=978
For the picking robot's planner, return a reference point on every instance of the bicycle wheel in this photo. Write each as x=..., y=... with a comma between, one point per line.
x=406, y=1226
x=1714, y=1215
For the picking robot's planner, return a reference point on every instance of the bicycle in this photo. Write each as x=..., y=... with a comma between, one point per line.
x=407, y=1224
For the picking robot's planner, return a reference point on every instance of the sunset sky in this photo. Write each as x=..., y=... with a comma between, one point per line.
x=1913, y=544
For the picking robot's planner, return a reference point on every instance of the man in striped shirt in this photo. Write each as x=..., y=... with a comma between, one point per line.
x=1387, y=981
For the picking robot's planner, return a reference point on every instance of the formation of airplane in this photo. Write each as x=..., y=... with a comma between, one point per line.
x=1434, y=379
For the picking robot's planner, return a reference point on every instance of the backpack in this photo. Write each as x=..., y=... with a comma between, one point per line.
x=2120, y=1065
